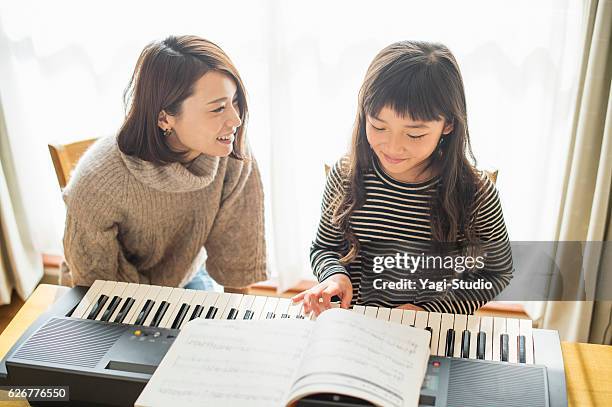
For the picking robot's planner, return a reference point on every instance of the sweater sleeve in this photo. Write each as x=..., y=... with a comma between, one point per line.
x=329, y=241
x=236, y=245
x=92, y=248
x=490, y=228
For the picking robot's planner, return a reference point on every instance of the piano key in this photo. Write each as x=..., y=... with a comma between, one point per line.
x=258, y=305
x=435, y=318
x=383, y=314
x=428, y=329
x=396, y=315
x=248, y=314
x=447, y=322
x=504, y=349
x=173, y=317
x=281, y=308
x=95, y=310
x=473, y=325
x=408, y=317
x=211, y=313
x=174, y=303
x=222, y=302
x=360, y=309
x=126, y=307
x=294, y=309
x=233, y=313
x=512, y=329
x=525, y=329
x=208, y=304
x=499, y=328
x=198, y=310
x=161, y=311
x=106, y=290
x=450, y=343
x=420, y=321
x=465, y=344
x=144, y=312
x=144, y=293
x=128, y=293
x=233, y=302
x=270, y=315
x=459, y=326
x=201, y=298
x=522, y=358
x=371, y=312
x=115, y=298
x=486, y=326
x=162, y=296
x=269, y=307
x=481, y=345
x=89, y=298
x=245, y=305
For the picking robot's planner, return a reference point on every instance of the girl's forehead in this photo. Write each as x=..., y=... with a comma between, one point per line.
x=405, y=118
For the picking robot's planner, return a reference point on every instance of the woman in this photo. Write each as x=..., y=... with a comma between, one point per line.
x=178, y=178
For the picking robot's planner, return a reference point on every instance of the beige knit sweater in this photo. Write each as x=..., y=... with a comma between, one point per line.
x=130, y=220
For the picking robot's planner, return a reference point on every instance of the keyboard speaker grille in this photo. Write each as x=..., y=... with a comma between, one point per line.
x=70, y=342
x=492, y=384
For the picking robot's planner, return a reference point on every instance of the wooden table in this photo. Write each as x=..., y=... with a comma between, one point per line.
x=588, y=368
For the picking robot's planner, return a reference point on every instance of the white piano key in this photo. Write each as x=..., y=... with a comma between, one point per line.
x=88, y=298
x=294, y=309
x=420, y=321
x=447, y=322
x=360, y=309
x=525, y=328
x=139, y=297
x=499, y=328
x=186, y=297
x=106, y=289
x=383, y=314
x=396, y=315
x=473, y=325
x=117, y=291
x=151, y=294
x=128, y=292
x=162, y=296
x=486, y=326
x=371, y=312
x=258, y=306
x=245, y=305
x=408, y=317
x=232, y=303
x=221, y=304
x=434, y=323
x=203, y=298
x=174, y=301
x=459, y=326
x=282, y=308
x=268, y=309
x=512, y=328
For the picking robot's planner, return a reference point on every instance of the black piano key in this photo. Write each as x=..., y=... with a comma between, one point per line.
x=503, y=344
x=522, y=350
x=212, y=311
x=430, y=333
x=111, y=308
x=197, y=311
x=125, y=308
x=285, y=316
x=450, y=342
x=270, y=315
x=98, y=307
x=300, y=317
x=180, y=316
x=481, y=345
x=248, y=314
x=144, y=313
x=232, y=314
x=159, y=315
x=465, y=344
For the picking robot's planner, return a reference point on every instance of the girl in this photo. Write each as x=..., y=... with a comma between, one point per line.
x=409, y=178
x=178, y=178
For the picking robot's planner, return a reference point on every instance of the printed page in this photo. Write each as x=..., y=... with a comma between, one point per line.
x=229, y=363
x=351, y=354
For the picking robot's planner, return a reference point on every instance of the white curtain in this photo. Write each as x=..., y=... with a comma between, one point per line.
x=64, y=67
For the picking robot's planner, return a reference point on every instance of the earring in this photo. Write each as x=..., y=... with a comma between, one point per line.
x=167, y=132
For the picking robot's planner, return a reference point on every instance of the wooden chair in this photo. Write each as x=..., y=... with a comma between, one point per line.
x=65, y=158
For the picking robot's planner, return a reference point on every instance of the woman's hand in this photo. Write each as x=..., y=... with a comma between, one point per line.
x=337, y=284
x=411, y=307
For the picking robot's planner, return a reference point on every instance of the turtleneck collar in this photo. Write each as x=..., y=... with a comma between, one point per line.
x=174, y=177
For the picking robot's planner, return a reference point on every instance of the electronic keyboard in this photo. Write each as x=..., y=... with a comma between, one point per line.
x=105, y=342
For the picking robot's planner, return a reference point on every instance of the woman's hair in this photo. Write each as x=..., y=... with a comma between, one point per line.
x=421, y=81
x=163, y=78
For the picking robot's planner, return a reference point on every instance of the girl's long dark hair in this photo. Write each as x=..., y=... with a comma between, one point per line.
x=422, y=81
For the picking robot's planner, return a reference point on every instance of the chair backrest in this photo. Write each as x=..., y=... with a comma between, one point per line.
x=65, y=158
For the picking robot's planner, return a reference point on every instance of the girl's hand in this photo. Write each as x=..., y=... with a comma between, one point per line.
x=411, y=307
x=337, y=284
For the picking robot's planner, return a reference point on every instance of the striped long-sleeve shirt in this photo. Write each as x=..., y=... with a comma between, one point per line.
x=400, y=212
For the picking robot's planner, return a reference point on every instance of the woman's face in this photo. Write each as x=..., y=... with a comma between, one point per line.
x=403, y=146
x=207, y=120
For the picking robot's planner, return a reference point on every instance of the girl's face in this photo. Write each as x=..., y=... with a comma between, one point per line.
x=208, y=119
x=403, y=146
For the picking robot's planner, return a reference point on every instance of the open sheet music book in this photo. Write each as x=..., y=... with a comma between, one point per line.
x=277, y=362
